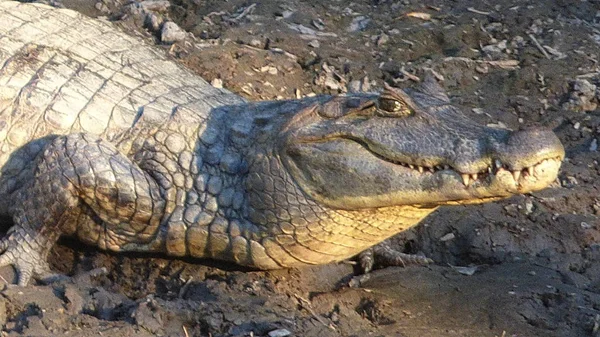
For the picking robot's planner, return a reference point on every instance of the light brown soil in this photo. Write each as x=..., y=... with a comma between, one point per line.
x=535, y=258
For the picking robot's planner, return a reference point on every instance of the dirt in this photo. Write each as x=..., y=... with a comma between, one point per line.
x=525, y=266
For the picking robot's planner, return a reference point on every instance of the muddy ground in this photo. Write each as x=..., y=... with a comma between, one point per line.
x=525, y=266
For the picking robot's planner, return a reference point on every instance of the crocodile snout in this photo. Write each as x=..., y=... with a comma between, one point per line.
x=528, y=147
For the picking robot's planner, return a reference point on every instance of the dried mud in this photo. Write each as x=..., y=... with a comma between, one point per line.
x=525, y=266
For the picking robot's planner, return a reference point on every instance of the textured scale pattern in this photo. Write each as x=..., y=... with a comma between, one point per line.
x=104, y=138
x=183, y=191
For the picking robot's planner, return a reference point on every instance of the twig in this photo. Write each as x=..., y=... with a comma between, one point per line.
x=539, y=46
x=588, y=75
x=409, y=75
x=504, y=64
x=185, y=287
x=473, y=10
x=185, y=331
x=245, y=12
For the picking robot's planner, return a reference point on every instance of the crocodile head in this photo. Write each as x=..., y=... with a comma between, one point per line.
x=411, y=147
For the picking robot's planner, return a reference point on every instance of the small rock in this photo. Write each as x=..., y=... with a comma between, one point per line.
x=269, y=69
x=137, y=8
x=594, y=145
x=582, y=96
x=153, y=22
x=102, y=8
x=358, y=23
x=382, y=39
x=447, y=237
x=482, y=68
x=302, y=29
x=584, y=87
x=576, y=126
x=570, y=182
x=172, y=33
x=256, y=43
x=217, y=83
x=528, y=207
x=279, y=333
x=511, y=209
x=287, y=13
x=363, y=85
x=319, y=24
x=314, y=44
x=469, y=271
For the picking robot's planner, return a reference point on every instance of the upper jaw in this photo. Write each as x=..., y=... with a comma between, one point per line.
x=344, y=174
x=497, y=176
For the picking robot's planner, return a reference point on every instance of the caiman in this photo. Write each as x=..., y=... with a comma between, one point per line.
x=104, y=138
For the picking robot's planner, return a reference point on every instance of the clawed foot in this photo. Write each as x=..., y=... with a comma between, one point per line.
x=17, y=249
x=384, y=255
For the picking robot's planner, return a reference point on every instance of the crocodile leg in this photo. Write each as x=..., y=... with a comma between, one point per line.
x=82, y=186
x=383, y=254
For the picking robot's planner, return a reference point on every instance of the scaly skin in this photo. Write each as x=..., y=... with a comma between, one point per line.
x=103, y=138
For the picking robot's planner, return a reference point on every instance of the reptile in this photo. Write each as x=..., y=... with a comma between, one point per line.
x=104, y=138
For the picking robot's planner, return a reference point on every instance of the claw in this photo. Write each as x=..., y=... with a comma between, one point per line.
x=27, y=262
x=387, y=256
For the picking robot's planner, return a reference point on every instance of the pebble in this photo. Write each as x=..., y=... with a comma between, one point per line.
x=153, y=22
x=172, y=33
x=358, y=23
x=217, y=83
x=314, y=44
x=287, y=13
x=382, y=39
x=257, y=43
x=594, y=145
x=447, y=237
x=528, y=207
x=279, y=333
x=319, y=24
x=100, y=6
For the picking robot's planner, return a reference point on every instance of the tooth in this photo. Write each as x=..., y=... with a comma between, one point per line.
x=431, y=169
x=411, y=166
x=498, y=163
x=490, y=170
x=465, y=178
x=516, y=175
x=474, y=176
x=530, y=170
x=420, y=168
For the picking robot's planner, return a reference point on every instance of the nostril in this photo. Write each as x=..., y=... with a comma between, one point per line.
x=534, y=135
x=529, y=146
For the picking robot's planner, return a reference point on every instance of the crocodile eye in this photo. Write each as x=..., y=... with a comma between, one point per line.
x=389, y=107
